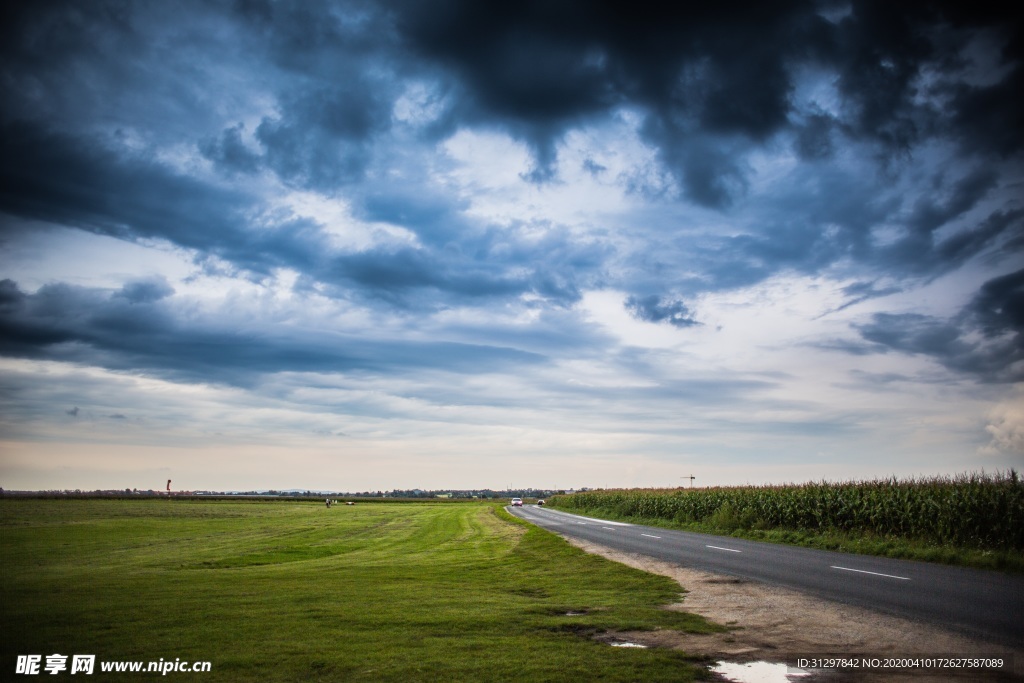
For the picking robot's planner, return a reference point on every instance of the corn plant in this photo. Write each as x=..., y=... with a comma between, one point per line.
x=975, y=510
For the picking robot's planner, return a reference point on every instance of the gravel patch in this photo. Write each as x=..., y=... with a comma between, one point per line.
x=772, y=624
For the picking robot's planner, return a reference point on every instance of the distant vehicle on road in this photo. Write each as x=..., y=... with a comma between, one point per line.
x=540, y=502
x=517, y=502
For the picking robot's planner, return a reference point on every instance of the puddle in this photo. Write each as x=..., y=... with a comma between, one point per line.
x=759, y=672
x=571, y=613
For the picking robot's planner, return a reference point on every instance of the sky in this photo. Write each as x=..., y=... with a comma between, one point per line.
x=365, y=245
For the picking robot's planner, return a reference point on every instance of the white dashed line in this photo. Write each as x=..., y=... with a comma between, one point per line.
x=861, y=571
x=726, y=549
x=649, y=536
x=608, y=528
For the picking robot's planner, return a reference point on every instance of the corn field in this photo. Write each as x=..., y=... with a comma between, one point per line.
x=984, y=511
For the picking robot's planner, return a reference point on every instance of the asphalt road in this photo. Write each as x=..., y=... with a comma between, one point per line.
x=975, y=602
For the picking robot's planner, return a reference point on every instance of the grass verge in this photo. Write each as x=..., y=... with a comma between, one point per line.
x=293, y=591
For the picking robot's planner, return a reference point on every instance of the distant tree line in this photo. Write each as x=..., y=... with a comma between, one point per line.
x=394, y=494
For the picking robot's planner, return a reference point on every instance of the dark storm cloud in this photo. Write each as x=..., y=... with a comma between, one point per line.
x=712, y=79
x=170, y=71
x=146, y=291
x=42, y=42
x=930, y=214
x=61, y=322
x=654, y=309
x=829, y=219
x=991, y=360
x=986, y=339
x=538, y=68
x=335, y=89
x=815, y=137
x=957, y=248
x=915, y=333
x=948, y=204
x=988, y=117
x=991, y=119
x=230, y=153
x=320, y=139
x=316, y=36
x=84, y=183
x=89, y=184
x=396, y=275
x=435, y=219
x=879, y=50
x=93, y=91
x=859, y=292
x=998, y=308
x=710, y=168
x=63, y=179
x=724, y=73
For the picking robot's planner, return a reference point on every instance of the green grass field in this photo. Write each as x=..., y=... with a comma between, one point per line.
x=293, y=591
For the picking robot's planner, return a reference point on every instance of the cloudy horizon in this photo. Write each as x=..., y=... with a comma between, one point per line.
x=363, y=245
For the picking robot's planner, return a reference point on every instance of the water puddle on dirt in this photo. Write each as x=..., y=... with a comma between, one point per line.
x=760, y=672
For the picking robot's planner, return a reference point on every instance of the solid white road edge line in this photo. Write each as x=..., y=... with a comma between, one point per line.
x=727, y=549
x=589, y=519
x=862, y=571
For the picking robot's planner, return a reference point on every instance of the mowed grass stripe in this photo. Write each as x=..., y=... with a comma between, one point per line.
x=286, y=591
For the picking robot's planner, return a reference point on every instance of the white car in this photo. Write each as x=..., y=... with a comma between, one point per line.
x=517, y=502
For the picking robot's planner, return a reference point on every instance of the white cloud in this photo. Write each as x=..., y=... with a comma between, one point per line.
x=1006, y=427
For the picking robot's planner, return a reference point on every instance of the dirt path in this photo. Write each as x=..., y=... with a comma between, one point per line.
x=771, y=624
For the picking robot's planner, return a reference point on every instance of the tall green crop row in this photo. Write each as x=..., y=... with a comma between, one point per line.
x=984, y=511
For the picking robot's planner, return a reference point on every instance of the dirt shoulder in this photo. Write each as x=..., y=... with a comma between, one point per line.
x=771, y=624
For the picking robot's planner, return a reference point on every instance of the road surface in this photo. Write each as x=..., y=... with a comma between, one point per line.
x=980, y=603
